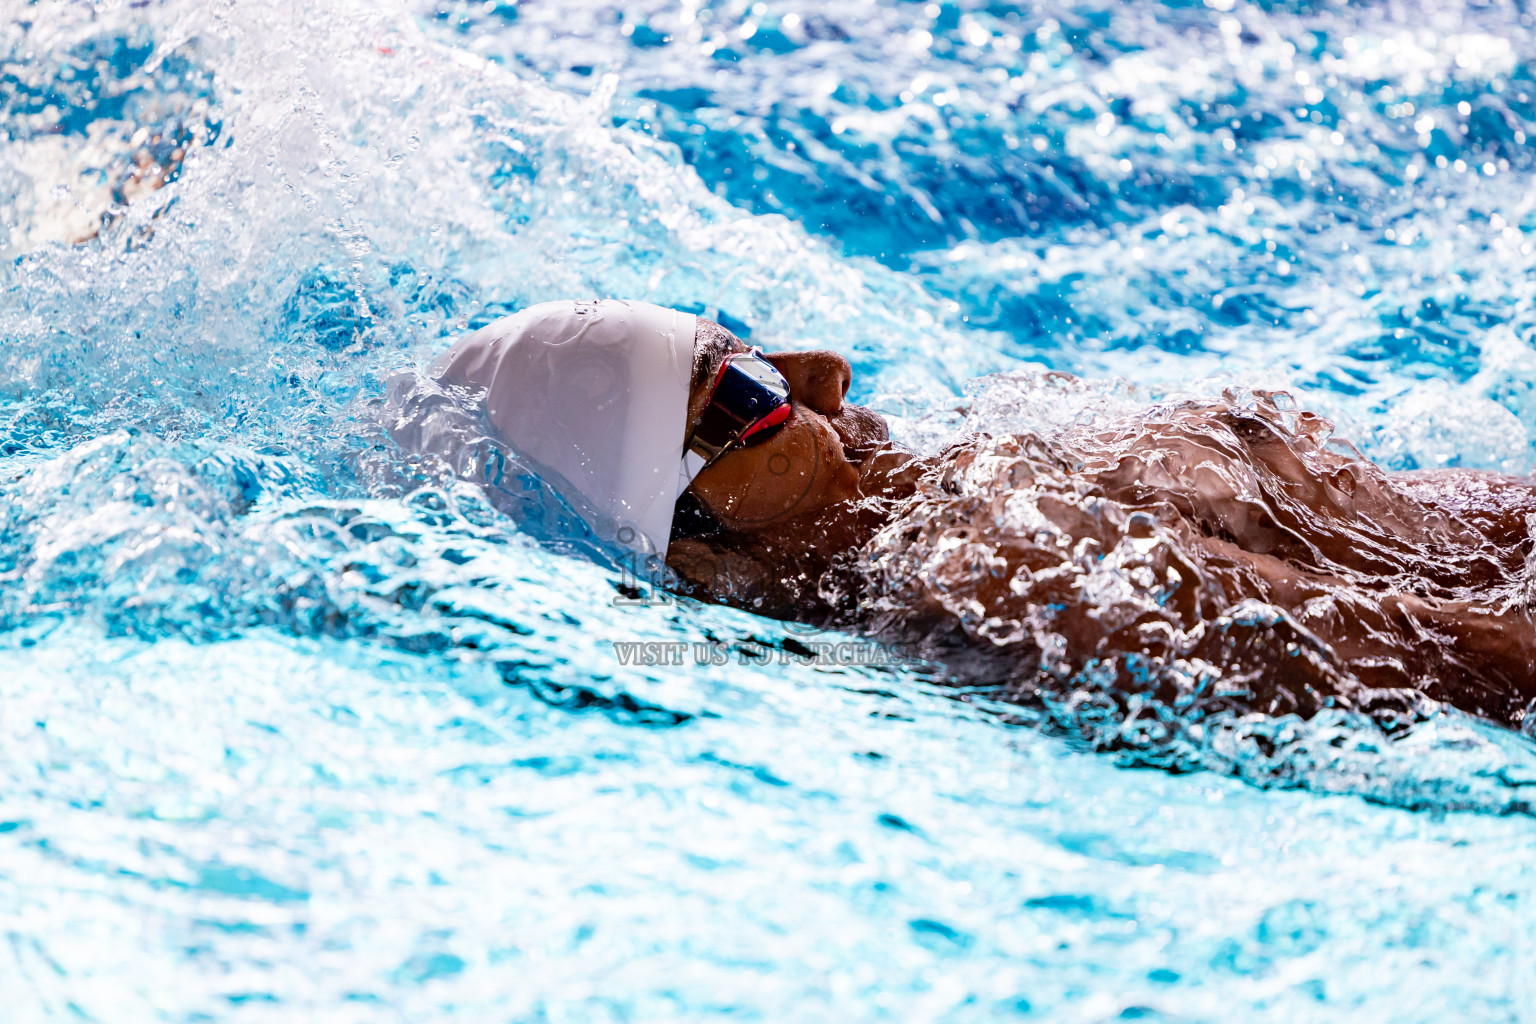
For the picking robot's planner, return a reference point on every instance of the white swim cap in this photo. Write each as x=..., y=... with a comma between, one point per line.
x=595, y=396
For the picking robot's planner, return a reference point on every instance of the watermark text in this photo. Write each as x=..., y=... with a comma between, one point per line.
x=656, y=653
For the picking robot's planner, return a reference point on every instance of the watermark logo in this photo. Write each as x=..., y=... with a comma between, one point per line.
x=644, y=577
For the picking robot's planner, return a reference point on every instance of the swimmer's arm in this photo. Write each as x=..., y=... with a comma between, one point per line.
x=1476, y=632
x=1496, y=503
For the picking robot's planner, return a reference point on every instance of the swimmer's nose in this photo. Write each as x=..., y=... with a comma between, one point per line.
x=818, y=379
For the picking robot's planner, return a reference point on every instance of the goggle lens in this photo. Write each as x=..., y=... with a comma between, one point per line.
x=748, y=405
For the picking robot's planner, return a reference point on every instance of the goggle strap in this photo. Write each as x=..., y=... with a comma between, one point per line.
x=773, y=419
x=693, y=464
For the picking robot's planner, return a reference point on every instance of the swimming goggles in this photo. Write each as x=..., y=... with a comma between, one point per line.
x=748, y=404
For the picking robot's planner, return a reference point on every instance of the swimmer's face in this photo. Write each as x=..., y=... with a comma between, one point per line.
x=811, y=463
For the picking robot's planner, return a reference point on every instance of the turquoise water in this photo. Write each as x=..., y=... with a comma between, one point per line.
x=294, y=728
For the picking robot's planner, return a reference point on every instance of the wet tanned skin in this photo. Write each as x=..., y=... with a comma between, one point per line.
x=1411, y=583
x=792, y=503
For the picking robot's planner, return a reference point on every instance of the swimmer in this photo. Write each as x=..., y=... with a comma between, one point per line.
x=1219, y=556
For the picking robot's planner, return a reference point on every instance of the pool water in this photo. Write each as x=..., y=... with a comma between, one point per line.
x=293, y=727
